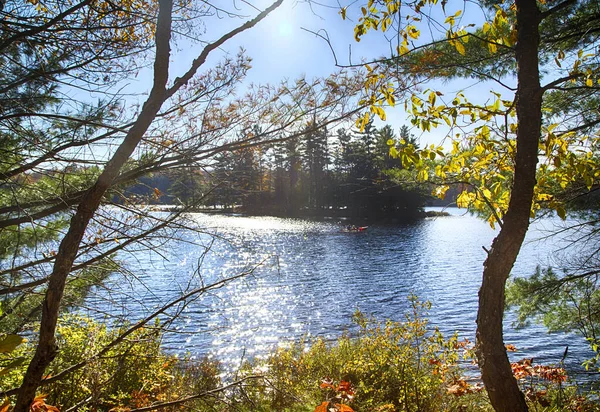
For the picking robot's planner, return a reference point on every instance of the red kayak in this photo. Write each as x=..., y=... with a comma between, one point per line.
x=355, y=229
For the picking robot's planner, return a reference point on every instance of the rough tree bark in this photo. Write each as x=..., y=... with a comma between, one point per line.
x=495, y=367
x=46, y=348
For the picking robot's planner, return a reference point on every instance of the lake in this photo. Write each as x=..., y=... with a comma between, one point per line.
x=308, y=278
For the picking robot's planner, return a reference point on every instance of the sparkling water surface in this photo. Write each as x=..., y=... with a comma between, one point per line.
x=307, y=278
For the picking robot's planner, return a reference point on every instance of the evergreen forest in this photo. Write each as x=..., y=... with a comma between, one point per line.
x=348, y=173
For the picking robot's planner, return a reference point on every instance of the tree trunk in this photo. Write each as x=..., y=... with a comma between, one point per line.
x=47, y=348
x=496, y=372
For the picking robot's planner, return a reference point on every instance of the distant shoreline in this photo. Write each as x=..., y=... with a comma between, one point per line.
x=309, y=214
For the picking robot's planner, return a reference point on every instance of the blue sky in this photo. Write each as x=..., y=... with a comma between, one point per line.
x=281, y=49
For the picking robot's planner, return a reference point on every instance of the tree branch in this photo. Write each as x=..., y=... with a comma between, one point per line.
x=97, y=258
x=195, y=292
x=198, y=396
x=47, y=348
x=556, y=82
x=39, y=29
x=557, y=8
x=199, y=61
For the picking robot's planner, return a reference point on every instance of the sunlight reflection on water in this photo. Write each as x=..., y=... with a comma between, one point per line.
x=308, y=278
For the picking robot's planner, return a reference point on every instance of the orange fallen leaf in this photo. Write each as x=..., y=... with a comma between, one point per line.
x=322, y=407
x=39, y=405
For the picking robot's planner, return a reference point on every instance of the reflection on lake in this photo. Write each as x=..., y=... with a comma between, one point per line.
x=309, y=278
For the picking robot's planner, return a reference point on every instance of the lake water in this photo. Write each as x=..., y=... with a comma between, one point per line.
x=309, y=278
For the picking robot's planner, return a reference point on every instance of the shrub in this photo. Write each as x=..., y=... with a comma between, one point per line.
x=388, y=366
x=133, y=374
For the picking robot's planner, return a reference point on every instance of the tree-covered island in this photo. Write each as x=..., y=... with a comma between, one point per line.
x=348, y=173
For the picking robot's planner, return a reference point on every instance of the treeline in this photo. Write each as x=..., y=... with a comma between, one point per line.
x=346, y=173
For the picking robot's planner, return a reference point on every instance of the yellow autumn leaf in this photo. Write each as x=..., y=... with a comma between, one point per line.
x=343, y=13
x=459, y=47
x=403, y=49
x=464, y=200
x=390, y=99
x=485, y=132
x=413, y=32
x=432, y=98
x=440, y=192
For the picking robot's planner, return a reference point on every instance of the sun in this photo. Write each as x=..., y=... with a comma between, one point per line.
x=285, y=29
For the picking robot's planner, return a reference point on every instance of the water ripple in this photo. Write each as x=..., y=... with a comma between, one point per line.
x=312, y=278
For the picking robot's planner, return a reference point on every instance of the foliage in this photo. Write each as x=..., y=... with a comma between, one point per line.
x=351, y=174
x=338, y=397
x=393, y=366
x=22, y=313
x=545, y=388
x=134, y=374
x=508, y=154
x=388, y=366
x=542, y=295
x=12, y=356
x=483, y=150
x=562, y=303
x=74, y=138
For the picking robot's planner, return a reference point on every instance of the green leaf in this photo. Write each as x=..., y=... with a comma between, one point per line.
x=12, y=365
x=496, y=106
x=557, y=62
x=485, y=132
x=10, y=343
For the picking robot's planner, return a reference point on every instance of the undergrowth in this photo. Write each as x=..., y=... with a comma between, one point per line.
x=385, y=366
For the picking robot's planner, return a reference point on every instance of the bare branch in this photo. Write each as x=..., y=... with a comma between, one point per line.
x=557, y=8
x=39, y=29
x=138, y=325
x=198, y=396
